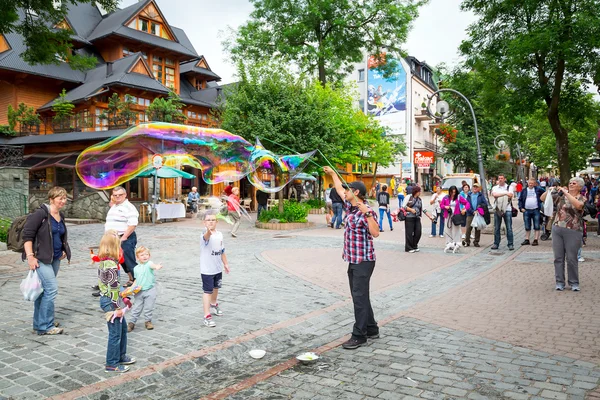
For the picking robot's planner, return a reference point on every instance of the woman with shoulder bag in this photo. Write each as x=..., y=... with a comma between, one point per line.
x=45, y=244
x=451, y=206
x=412, y=225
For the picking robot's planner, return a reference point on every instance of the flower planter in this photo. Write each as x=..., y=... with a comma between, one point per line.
x=284, y=226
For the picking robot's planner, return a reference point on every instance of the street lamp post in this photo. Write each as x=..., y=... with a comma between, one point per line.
x=444, y=108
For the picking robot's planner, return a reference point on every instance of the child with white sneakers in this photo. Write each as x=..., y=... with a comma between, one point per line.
x=212, y=263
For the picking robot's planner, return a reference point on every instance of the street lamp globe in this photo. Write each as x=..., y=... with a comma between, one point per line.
x=442, y=107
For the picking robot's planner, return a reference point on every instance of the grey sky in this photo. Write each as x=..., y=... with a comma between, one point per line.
x=434, y=38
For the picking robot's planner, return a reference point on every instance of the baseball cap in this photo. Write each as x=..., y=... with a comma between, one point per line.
x=356, y=185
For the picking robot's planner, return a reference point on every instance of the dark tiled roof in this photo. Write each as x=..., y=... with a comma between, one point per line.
x=113, y=24
x=11, y=59
x=83, y=18
x=62, y=137
x=191, y=67
x=189, y=94
x=96, y=79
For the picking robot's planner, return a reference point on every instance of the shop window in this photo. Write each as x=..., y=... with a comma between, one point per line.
x=64, y=179
x=41, y=179
x=134, y=189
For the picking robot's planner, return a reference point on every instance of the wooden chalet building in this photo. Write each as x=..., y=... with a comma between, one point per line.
x=139, y=54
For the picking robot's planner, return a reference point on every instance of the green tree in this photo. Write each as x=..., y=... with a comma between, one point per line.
x=287, y=112
x=119, y=111
x=35, y=21
x=166, y=109
x=63, y=111
x=536, y=50
x=322, y=37
x=25, y=116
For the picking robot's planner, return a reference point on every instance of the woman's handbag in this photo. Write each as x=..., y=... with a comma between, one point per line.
x=458, y=219
x=401, y=214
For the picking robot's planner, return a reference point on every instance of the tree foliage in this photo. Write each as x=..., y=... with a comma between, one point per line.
x=288, y=113
x=166, y=109
x=536, y=50
x=63, y=108
x=35, y=20
x=119, y=111
x=322, y=37
x=25, y=116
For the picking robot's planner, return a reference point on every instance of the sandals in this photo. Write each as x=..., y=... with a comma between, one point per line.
x=129, y=283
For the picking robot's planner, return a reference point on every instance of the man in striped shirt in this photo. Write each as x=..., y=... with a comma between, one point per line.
x=123, y=217
x=360, y=229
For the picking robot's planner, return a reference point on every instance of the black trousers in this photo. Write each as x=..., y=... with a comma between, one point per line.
x=412, y=232
x=359, y=276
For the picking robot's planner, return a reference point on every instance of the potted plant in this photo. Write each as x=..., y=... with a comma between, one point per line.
x=447, y=133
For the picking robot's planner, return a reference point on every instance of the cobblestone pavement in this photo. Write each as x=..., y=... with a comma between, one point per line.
x=274, y=301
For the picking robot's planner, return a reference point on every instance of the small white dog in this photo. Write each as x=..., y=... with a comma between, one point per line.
x=452, y=247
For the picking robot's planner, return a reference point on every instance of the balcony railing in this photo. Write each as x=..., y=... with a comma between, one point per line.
x=74, y=123
x=434, y=147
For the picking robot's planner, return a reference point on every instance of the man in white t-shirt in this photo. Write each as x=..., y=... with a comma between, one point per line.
x=123, y=217
x=502, y=212
x=212, y=263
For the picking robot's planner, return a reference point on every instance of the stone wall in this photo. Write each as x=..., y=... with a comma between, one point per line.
x=14, y=189
x=89, y=206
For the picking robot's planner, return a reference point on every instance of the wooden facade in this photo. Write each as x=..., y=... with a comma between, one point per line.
x=160, y=64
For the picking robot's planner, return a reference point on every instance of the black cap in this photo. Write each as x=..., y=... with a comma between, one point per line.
x=357, y=185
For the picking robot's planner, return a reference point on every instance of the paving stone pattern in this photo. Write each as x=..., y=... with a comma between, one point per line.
x=415, y=359
x=290, y=315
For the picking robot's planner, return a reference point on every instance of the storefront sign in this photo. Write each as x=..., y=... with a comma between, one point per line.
x=424, y=159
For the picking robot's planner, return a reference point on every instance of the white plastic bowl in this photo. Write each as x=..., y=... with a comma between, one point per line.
x=308, y=358
x=257, y=353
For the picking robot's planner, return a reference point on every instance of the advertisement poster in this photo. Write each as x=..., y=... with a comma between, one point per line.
x=386, y=96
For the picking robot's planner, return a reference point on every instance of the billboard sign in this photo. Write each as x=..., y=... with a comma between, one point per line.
x=424, y=159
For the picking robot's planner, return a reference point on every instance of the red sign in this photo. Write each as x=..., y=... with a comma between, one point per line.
x=424, y=159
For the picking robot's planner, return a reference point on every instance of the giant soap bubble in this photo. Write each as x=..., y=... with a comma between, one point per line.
x=220, y=155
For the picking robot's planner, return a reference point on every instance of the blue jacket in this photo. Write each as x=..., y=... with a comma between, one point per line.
x=481, y=204
x=523, y=196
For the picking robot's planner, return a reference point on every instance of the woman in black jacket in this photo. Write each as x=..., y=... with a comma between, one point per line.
x=45, y=243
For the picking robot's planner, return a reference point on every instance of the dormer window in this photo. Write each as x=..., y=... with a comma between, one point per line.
x=149, y=26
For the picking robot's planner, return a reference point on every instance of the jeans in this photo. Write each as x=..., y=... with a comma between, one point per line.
x=359, y=277
x=336, y=222
x=400, y=200
x=117, y=335
x=389, y=215
x=43, y=307
x=260, y=208
x=412, y=232
x=128, y=247
x=439, y=220
x=507, y=217
x=532, y=215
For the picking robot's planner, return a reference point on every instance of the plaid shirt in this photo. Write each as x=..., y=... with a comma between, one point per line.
x=358, y=241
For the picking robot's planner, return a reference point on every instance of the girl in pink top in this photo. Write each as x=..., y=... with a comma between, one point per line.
x=451, y=205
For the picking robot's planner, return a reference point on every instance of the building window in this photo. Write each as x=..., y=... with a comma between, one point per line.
x=101, y=123
x=141, y=118
x=149, y=26
x=164, y=71
x=361, y=75
x=192, y=114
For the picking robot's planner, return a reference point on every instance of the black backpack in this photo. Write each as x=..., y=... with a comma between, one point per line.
x=14, y=240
